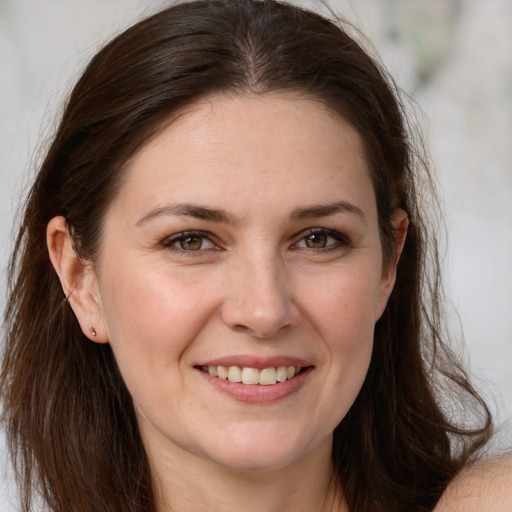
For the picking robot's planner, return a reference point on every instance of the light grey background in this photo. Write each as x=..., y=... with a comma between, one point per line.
x=453, y=56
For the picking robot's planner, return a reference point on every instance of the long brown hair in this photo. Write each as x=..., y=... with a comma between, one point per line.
x=70, y=419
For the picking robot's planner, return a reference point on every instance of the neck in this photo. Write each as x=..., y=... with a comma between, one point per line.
x=186, y=482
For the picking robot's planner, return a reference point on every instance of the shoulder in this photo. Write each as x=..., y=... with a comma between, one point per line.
x=484, y=486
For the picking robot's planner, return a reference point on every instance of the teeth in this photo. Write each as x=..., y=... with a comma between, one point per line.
x=222, y=372
x=281, y=374
x=268, y=376
x=234, y=374
x=251, y=376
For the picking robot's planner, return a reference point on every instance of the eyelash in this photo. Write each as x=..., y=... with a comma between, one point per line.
x=168, y=242
x=340, y=241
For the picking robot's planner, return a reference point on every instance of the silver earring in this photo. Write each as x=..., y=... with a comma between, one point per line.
x=93, y=331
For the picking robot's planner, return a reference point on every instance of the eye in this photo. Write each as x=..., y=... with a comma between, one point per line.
x=190, y=241
x=322, y=239
x=316, y=240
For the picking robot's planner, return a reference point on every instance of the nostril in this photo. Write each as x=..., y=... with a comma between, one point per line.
x=258, y=318
x=241, y=328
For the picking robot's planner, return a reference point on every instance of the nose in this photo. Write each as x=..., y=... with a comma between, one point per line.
x=259, y=301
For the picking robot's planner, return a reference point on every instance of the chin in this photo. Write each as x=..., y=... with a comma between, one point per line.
x=255, y=460
x=261, y=449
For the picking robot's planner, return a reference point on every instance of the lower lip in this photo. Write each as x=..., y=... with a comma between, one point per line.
x=256, y=393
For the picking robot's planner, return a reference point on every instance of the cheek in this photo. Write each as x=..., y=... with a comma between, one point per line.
x=348, y=328
x=343, y=312
x=152, y=317
x=343, y=305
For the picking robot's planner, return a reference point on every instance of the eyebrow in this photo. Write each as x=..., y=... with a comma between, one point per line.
x=189, y=210
x=221, y=216
x=326, y=210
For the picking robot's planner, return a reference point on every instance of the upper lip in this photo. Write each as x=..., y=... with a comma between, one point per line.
x=248, y=361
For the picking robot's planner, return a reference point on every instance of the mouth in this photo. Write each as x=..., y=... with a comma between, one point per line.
x=256, y=380
x=253, y=376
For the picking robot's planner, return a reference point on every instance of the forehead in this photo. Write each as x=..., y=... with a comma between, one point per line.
x=240, y=150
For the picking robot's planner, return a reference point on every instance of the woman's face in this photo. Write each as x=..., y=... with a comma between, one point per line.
x=243, y=239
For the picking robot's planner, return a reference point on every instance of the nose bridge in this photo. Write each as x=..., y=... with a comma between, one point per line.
x=261, y=300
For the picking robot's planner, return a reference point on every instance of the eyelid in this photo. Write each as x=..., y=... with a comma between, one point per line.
x=168, y=242
x=343, y=240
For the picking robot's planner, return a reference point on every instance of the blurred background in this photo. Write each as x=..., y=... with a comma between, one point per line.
x=452, y=56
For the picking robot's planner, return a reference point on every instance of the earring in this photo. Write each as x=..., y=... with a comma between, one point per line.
x=93, y=331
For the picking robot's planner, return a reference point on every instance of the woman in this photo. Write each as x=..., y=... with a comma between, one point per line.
x=219, y=298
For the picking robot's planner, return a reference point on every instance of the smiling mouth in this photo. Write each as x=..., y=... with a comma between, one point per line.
x=253, y=376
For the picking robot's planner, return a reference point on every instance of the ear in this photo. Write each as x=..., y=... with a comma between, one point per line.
x=399, y=224
x=78, y=280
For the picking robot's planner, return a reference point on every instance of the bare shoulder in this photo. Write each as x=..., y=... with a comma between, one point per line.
x=484, y=486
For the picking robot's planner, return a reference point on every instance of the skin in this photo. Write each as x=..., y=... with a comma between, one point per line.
x=251, y=287
x=254, y=288
x=484, y=486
